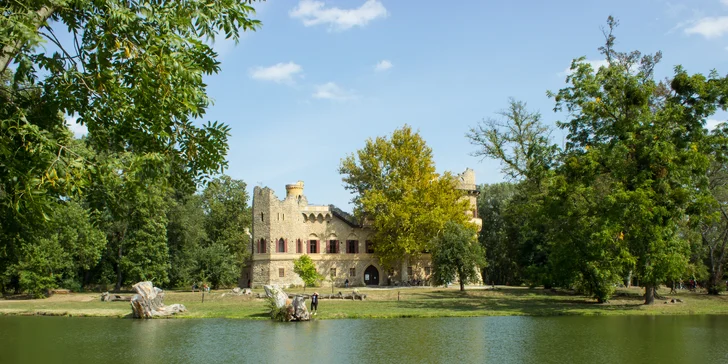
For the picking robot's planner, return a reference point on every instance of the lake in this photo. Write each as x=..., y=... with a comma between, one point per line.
x=571, y=339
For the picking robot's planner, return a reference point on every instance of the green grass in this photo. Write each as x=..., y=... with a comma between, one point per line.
x=384, y=303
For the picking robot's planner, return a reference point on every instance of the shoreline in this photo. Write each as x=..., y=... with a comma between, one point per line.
x=409, y=302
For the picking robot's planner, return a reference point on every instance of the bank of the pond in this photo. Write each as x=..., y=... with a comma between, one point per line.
x=390, y=303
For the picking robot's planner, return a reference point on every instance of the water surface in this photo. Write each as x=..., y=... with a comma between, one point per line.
x=623, y=339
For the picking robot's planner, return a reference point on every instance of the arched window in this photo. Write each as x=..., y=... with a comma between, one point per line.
x=261, y=249
x=281, y=245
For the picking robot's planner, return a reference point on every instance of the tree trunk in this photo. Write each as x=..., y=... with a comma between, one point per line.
x=715, y=282
x=10, y=50
x=649, y=294
x=118, y=270
x=461, y=278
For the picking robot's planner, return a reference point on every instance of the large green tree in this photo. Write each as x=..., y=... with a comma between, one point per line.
x=398, y=192
x=456, y=253
x=132, y=72
x=637, y=148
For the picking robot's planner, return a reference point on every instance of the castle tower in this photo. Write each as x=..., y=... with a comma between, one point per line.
x=294, y=190
x=466, y=183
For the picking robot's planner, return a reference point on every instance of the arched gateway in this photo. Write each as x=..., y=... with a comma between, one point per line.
x=371, y=276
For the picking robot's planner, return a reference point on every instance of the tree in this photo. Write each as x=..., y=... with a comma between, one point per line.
x=712, y=224
x=185, y=234
x=522, y=143
x=225, y=203
x=500, y=252
x=456, y=253
x=214, y=263
x=131, y=71
x=306, y=269
x=130, y=196
x=642, y=144
x=396, y=189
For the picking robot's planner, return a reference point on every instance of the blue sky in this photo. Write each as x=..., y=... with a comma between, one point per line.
x=306, y=89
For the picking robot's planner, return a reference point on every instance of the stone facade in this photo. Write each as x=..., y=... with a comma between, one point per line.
x=283, y=230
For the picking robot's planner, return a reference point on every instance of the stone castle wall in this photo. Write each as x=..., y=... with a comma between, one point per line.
x=293, y=219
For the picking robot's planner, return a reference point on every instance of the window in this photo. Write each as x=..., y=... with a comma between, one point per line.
x=428, y=270
x=313, y=246
x=370, y=247
x=281, y=272
x=352, y=272
x=298, y=246
x=333, y=272
x=261, y=216
x=333, y=246
x=261, y=248
x=281, y=246
x=409, y=271
x=352, y=246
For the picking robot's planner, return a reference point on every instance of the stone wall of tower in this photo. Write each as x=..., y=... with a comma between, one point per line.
x=466, y=182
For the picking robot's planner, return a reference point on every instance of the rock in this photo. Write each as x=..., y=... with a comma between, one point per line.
x=292, y=309
x=679, y=300
x=108, y=297
x=149, y=302
x=275, y=292
x=237, y=291
x=247, y=291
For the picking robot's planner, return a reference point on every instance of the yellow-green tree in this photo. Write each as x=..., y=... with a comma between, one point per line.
x=398, y=192
x=306, y=269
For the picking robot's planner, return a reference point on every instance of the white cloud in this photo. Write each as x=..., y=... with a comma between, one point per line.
x=709, y=27
x=724, y=2
x=595, y=64
x=279, y=73
x=77, y=129
x=711, y=124
x=332, y=91
x=315, y=13
x=383, y=65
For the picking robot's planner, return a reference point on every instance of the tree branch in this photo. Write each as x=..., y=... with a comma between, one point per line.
x=10, y=50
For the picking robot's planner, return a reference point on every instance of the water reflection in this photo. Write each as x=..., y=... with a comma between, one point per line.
x=664, y=339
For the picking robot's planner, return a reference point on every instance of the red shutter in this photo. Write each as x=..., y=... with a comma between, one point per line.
x=308, y=247
x=338, y=247
x=328, y=247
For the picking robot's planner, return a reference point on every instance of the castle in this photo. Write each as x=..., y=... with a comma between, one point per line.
x=283, y=230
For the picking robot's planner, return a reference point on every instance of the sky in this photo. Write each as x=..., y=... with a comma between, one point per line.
x=321, y=77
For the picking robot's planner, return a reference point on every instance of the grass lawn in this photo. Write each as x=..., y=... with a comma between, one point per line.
x=384, y=303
